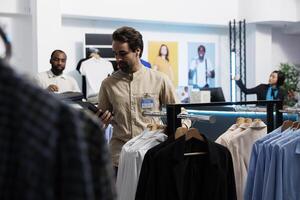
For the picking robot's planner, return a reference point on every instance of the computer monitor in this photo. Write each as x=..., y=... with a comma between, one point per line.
x=216, y=94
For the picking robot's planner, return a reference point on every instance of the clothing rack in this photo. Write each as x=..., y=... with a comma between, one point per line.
x=195, y=117
x=173, y=122
x=249, y=109
x=292, y=111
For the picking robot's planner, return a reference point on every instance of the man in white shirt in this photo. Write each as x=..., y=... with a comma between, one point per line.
x=54, y=80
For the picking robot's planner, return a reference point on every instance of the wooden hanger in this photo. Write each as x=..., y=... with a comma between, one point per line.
x=95, y=55
x=286, y=124
x=194, y=133
x=240, y=120
x=180, y=131
x=298, y=127
x=248, y=120
x=257, y=120
x=295, y=125
x=152, y=127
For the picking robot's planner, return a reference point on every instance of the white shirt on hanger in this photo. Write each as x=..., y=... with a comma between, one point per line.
x=222, y=138
x=131, y=159
x=95, y=70
x=234, y=130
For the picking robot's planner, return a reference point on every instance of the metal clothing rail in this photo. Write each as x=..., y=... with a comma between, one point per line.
x=194, y=117
x=155, y=113
x=290, y=110
x=249, y=109
x=173, y=122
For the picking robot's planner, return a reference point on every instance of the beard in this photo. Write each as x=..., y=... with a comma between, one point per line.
x=57, y=71
x=125, y=67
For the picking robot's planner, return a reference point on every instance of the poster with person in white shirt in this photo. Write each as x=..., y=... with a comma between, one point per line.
x=201, y=64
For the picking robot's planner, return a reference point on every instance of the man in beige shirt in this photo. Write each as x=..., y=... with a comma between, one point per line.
x=54, y=80
x=131, y=90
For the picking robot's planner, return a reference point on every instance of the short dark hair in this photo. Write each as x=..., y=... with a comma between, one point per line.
x=57, y=50
x=131, y=36
x=201, y=47
x=280, y=77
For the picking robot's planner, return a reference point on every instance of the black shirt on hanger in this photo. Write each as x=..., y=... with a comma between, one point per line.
x=169, y=178
x=147, y=167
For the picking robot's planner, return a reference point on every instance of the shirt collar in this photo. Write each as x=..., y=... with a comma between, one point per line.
x=233, y=127
x=257, y=124
x=122, y=75
x=244, y=125
x=275, y=88
x=51, y=75
x=139, y=72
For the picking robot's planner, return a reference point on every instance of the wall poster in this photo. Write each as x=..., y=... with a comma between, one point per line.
x=201, y=64
x=163, y=57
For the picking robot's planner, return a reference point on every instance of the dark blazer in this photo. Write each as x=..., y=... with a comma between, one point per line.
x=147, y=167
x=167, y=179
x=260, y=90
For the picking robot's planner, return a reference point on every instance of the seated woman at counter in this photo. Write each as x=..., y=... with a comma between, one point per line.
x=271, y=91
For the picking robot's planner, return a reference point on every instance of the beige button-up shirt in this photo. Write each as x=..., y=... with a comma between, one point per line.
x=240, y=147
x=64, y=83
x=123, y=94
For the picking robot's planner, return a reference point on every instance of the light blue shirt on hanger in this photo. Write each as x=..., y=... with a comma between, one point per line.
x=268, y=147
x=273, y=184
x=291, y=166
x=262, y=164
x=255, y=172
